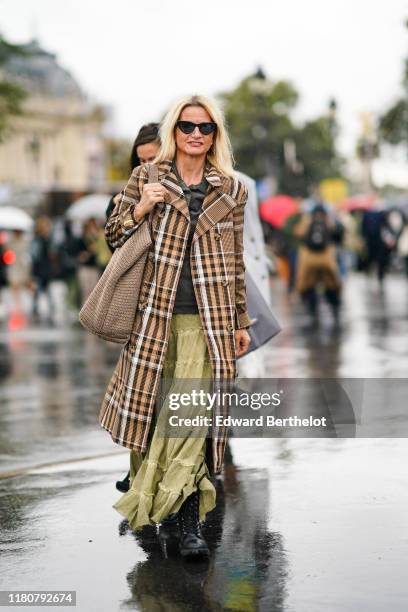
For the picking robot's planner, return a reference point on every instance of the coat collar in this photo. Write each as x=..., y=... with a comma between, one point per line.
x=216, y=203
x=210, y=172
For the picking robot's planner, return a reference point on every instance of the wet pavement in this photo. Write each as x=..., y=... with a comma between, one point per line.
x=300, y=524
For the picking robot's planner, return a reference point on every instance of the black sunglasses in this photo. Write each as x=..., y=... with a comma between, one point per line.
x=188, y=127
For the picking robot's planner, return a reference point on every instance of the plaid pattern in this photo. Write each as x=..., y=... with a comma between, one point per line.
x=218, y=273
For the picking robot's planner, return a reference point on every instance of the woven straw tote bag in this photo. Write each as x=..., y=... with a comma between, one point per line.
x=109, y=311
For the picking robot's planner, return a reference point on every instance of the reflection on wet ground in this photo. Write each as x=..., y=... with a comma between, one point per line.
x=369, y=343
x=244, y=557
x=51, y=387
x=300, y=524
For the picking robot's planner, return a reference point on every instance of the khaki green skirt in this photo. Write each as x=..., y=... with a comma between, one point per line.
x=172, y=468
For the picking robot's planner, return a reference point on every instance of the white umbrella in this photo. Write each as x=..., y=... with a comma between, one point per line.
x=12, y=218
x=93, y=205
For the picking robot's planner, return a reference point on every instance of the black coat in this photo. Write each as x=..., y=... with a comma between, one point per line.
x=41, y=258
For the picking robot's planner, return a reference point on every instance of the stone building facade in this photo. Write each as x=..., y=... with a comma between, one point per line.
x=57, y=144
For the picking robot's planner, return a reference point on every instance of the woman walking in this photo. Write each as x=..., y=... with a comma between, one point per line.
x=42, y=258
x=191, y=321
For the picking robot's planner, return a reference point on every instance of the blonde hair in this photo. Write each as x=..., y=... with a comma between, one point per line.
x=220, y=154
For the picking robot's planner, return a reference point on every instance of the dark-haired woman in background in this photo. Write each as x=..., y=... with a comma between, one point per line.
x=144, y=150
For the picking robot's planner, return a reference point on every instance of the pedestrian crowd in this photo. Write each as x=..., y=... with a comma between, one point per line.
x=30, y=262
x=316, y=246
x=312, y=250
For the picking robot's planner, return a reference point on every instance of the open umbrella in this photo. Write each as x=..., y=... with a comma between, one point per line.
x=12, y=218
x=277, y=209
x=93, y=205
x=365, y=201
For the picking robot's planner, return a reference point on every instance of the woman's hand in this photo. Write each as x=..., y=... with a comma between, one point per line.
x=152, y=194
x=242, y=342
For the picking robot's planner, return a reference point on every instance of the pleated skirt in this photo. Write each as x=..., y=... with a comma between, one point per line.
x=173, y=467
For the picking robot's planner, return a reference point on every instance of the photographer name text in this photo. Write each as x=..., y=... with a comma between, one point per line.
x=260, y=421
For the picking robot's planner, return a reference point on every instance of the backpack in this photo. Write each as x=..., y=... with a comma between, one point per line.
x=317, y=236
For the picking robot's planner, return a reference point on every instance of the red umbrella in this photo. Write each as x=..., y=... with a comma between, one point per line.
x=364, y=201
x=277, y=209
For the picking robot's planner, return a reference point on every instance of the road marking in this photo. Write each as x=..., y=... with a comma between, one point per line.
x=34, y=468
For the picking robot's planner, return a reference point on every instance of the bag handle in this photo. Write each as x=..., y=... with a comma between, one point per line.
x=153, y=174
x=153, y=177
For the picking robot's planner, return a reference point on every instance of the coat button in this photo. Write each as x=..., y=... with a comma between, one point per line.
x=218, y=236
x=225, y=282
x=143, y=306
x=230, y=327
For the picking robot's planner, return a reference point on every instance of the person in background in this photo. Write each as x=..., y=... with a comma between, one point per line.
x=69, y=250
x=19, y=271
x=88, y=270
x=292, y=248
x=144, y=150
x=317, y=261
x=257, y=265
x=403, y=247
x=41, y=263
x=352, y=244
x=3, y=267
x=381, y=230
x=102, y=250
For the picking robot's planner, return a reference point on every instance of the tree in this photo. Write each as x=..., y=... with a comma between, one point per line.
x=393, y=124
x=316, y=155
x=118, y=153
x=257, y=114
x=267, y=142
x=11, y=94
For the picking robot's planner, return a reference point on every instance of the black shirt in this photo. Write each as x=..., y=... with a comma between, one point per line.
x=186, y=302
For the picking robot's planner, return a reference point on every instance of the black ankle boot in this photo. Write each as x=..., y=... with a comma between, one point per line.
x=192, y=542
x=124, y=485
x=170, y=521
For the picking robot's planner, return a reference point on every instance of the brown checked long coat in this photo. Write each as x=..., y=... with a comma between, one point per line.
x=218, y=274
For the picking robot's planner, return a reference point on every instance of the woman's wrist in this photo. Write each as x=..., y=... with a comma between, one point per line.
x=138, y=213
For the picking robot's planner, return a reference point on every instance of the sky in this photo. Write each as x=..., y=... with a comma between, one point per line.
x=137, y=56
